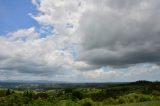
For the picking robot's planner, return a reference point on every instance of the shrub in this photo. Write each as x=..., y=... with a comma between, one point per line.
x=144, y=98
x=87, y=102
x=109, y=101
x=121, y=100
x=156, y=93
x=77, y=94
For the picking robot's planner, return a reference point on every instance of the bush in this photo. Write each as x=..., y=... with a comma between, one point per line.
x=131, y=100
x=144, y=98
x=109, y=101
x=156, y=93
x=121, y=100
x=77, y=94
x=87, y=102
x=65, y=103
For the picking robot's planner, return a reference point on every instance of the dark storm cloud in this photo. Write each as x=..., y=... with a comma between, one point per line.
x=121, y=32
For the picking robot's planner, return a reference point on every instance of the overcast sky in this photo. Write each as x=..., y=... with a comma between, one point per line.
x=80, y=40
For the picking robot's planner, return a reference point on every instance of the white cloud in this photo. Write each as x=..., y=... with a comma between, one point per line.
x=24, y=34
x=98, y=33
x=48, y=56
x=60, y=14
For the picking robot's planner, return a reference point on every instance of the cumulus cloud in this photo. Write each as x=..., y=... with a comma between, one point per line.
x=62, y=15
x=38, y=56
x=108, y=32
x=121, y=32
x=85, y=40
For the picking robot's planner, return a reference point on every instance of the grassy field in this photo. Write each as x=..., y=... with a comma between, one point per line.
x=152, y=103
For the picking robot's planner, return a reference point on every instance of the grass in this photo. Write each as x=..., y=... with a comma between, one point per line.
x=151, y=103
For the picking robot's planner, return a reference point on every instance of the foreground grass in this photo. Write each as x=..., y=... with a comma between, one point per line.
x=151, y=103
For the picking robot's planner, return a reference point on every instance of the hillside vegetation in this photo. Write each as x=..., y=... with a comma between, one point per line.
x=140, y=93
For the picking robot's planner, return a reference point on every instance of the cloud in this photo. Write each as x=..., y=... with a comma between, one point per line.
x=140, y=71
x=35, y=56
x=24, y=34
x=84, y=41
x=120, y=32
x=62, y=15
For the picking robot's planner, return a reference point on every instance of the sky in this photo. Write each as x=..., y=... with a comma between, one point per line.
x=79, y=40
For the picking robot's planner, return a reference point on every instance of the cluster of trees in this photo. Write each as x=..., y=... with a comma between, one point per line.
x=83, y=96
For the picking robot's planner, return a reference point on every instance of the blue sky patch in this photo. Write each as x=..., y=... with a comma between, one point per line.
x=14, y=15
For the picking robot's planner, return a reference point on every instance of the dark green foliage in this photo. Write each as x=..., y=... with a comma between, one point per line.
x=8, y=92
x=77, y=94
x=41, y=96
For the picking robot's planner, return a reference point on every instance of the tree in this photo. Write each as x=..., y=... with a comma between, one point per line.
x=8, y=92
